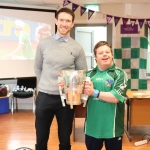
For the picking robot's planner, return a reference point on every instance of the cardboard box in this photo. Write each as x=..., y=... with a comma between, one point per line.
x=4, y=105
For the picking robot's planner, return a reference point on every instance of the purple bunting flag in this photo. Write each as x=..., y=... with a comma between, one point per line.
x=141, y=22
x=148, y=22
x=90, y=13
x=124, y=20
x=108, y=18
x=132, y=21
x=116, y=19
x=82, y=10
x=66, y=2
x=74, y=7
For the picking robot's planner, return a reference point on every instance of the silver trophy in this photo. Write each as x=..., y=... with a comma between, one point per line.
x=73, y=89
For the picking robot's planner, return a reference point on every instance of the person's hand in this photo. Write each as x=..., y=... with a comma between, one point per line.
x=88, y=88
x=61, y=84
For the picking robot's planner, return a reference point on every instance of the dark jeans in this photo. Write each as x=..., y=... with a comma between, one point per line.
x=46, y=107
x=97, y=144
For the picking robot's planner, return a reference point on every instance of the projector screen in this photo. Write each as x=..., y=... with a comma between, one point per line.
x=20, y=31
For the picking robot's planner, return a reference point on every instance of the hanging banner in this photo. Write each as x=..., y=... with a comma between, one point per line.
x=82, y=10
x=132, y=21
x=124, y=20
x=116, y=19
x=141, y=22
x=90, y=13
x=66, y=2
x=74, y=6
x=108, y=18
x=148, y=22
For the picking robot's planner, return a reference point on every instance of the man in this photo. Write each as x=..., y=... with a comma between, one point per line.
x=105, y=106
x=23, y=50
x=54, y=54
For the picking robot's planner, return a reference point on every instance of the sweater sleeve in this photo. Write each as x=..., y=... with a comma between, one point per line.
x=38, y=62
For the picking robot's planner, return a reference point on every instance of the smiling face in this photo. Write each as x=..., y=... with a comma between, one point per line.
x=64, y=23
x=103, y=56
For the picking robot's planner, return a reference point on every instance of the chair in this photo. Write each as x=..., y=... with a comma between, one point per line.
x=26, y=88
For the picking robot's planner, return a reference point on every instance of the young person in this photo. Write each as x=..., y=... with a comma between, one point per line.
x=54, y=54
x=105, y=107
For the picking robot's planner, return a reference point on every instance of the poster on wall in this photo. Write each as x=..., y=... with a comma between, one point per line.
x=128, y=29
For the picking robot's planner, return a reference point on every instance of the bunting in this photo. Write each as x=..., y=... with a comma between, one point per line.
x=124, y=20
x=74, y=6
x=90, y=13
x=108, y=17
x=148, y=22
x=116, y=20
x=82, y=10
x=66, y=2
x=132, y=21
x=141, y=22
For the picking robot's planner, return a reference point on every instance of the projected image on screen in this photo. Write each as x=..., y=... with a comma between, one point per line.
x=21, y=29
x=19, y=38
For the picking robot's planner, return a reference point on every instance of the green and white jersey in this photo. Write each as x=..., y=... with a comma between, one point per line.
x=106, y=120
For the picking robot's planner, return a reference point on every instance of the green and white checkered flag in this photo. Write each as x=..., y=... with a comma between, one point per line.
x=132, y=57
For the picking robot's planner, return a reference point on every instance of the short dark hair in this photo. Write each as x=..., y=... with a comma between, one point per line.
x=66, y=10
x=101, y=43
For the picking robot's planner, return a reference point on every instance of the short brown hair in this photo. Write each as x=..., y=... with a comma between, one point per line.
x=66, y=10
x=101, y=43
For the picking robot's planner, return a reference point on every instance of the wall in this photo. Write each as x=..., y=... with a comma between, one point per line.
x=26, y=103
x=120, y=10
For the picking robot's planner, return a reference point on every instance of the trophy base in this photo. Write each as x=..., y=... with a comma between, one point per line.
x=74, y=102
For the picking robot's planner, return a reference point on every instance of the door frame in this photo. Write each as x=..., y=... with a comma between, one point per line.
x=109, y=30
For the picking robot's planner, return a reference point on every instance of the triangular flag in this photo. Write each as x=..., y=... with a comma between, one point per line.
x=148, y=22
x=66, y=2
x=82, y=10
x=124, y=20
x=74, y=6
x=108, y=18
x=132, y=21
x=116, y=19
x=141, y=21
x=90, y=13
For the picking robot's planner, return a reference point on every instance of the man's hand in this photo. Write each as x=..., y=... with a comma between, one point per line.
x=61, y=83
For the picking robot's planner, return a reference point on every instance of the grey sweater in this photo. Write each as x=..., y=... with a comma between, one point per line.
x=52, y=56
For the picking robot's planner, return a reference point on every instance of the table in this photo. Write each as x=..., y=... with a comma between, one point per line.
x=137, y=110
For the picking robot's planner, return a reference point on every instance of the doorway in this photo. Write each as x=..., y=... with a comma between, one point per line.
x=88, y=35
